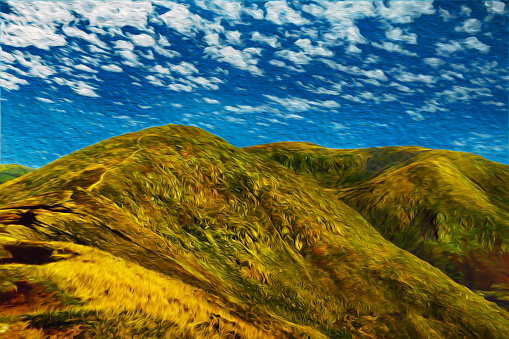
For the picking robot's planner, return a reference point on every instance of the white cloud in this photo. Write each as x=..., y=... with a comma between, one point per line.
x=342, y=11
x=492, y=102
x=434, y=62
x=10, y=82
x=345, y=30
x=164, y=52
x=495, y=7
x=236, y=58
x=410, y=77
x=458, y=143
x=290, y=103
x=180, y=88
x=160, y=69
x=85, y=68
x=466, y=10
x=330, y=104
x=94, y=49
x=44, y=13
x=233, y=37
x=396, y=34
x=114, y=14
x=376, y=74
x=446, y=15
x=184, y=68
x=309, y=49
x=352, y=98
x=255, y=12
x=415, y=116
x=78, y=33
x=180, y=19
x=271, y=41
x=123, y=44
x=154, y=81
x=36, y=68
x=470, y=26
x=228, y=9
x=212, y=39
x=448, y=75
x=143, y=40
x=210, y=101
x=42, y=37
x=277, y=63
x=473, y=43
x=404, y=12
x=206, y=83
x=7, y=57
x=448, y=48
x=392, y=47
x=280, y=13
x=112, y=68
x=46, y=100
x=82, y=88
x=299, y=58
x=352, y=49
x=126, y=54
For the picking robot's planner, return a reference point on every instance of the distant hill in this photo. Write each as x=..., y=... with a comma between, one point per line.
x=171, y=232
x=9, y=172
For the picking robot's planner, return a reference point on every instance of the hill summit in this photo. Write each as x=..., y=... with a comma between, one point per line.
x=171, y=232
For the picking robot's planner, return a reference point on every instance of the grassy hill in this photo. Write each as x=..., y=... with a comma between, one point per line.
x=9, y=172
x=171, y=232
x=450, y=209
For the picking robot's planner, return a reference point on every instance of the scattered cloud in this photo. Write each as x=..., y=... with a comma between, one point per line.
x=352, y=49
x=396, y=34
x=143, y=40
x=448, y=48
x=473, y=43
x=85, y=68
x=10, y=82
x=470, y=26
x=43, y=37
x=404, y=12
x=299, y=58
x=495, y=7
x=434, y=62
x=410, y=77
x=112, y=68
x=280, y=13
x=392, y=47
x=210, y=101
x=271, y=41
x=415, y=116
x=236, y=58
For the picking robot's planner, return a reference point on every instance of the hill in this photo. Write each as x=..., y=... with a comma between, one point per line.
x=450, y=209
x=12, y=171
x=171, y=232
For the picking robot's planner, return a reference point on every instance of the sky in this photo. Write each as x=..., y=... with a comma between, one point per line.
x=340, y=74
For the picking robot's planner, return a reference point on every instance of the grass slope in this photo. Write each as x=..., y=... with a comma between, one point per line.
x=450, y=209
x=12, y=171
x=172, y=232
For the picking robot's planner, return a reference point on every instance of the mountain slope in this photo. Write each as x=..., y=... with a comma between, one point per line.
x=448, y=208
x=12, y=171
x=172, y=232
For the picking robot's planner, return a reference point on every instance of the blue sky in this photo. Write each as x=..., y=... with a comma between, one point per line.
x=341, y=74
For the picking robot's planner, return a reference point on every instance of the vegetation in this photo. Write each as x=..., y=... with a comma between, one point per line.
x=447, y=208
x=171, y=232
x=9, y=172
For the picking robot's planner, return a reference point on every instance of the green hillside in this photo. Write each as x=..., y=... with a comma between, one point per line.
x=450, y=209
x=9, y=172
x=171, y=232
